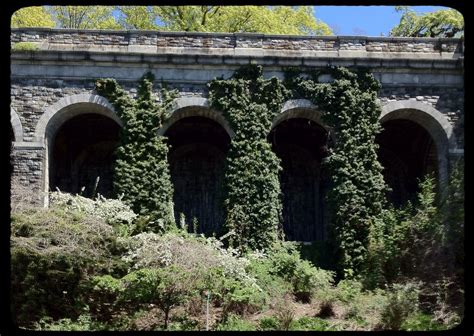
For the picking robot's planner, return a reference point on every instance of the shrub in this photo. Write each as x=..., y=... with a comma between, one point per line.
x=83, y=323
x=301, y=274
x=311, y=324
x=402, y=302
x=24, y=46
x=285, y=313
x=406, y=242
x=112, y=211
x=269, y=323
x=52, y=253
x=235, y=323
x=237, y=296
x=182, y=323
x=348, y=290
x=421, y=322
x=165, y=287
x=261, y=268
x=103, y=294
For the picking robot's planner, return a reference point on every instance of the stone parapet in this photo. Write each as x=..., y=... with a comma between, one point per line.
x=154, y=42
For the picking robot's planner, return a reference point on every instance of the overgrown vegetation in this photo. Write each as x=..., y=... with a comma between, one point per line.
x=356, y=197
x=25, y=46
x=252, y=188
x=141, y=172
x=74, y=267
x=124, y=264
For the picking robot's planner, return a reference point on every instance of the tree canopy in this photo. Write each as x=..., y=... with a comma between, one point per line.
x=84, y=17
x=32, y=17
x=291, y=20
x=441, y=23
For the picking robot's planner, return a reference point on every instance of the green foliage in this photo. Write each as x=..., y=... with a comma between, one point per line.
x=290, y=20
x=356, y=197
x=34, y=16
x=348, y=290
x=397, y=236
x=301, y=274
x=84, y=17
x=268, y=323
x=402, y=302
x=262, y=269
x=141, y=170
x=137, y=17
x=103, y=295
x=311, y=324
x=235, y=323
x=112, y=211
x=287, y=20
x=164, y=287
x=252, y=188
x=440, y=23
x=421, y=322
x=239, y=297
x=452, y=216
x=82, y=323
x=24, y=46
x=53, y=252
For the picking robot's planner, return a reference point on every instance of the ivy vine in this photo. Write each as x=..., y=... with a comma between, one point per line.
x=252, y=189
x=357, y=194
x=141, y=171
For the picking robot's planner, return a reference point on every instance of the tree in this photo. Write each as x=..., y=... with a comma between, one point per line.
x=298, y=20
x=441, y=23
x=165, y=287
x=137, y=17
x=85, y=17
x=32, y=17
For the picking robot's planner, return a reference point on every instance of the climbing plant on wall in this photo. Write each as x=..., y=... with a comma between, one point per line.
x=357, y=194
x=141, y=171
x=250, y=102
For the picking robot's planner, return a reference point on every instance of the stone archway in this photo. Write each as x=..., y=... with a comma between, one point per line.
x=418, y=137
x=17, y=128
x=80, y=133
x=300, y=141
x=192, y=107
x=198, y=148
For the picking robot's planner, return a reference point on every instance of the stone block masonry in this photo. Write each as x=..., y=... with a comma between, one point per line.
x=425, y=76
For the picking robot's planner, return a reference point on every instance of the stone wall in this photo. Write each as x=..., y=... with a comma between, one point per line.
x=28, y=166
x=422, y=70
x=128, y=40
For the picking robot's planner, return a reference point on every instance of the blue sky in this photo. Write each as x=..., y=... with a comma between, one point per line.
x=364, y=20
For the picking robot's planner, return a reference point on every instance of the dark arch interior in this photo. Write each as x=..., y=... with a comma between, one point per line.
x=301, y=145
x=82, y=152
x=197, y=157
x=407, y=152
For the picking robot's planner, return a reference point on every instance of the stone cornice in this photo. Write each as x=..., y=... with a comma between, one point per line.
x=282, y=60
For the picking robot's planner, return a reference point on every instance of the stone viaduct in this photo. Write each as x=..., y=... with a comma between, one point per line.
x=64, y=134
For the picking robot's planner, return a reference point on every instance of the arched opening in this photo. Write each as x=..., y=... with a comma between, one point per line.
x=82, y=155
x=407, y=152
x=301, y=144
x=198, y=147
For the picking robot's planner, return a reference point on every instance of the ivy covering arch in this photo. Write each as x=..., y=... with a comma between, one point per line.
x=252, y=190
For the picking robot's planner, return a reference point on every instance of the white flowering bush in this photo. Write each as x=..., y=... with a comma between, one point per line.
x=113, y=211
x=148, y=250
